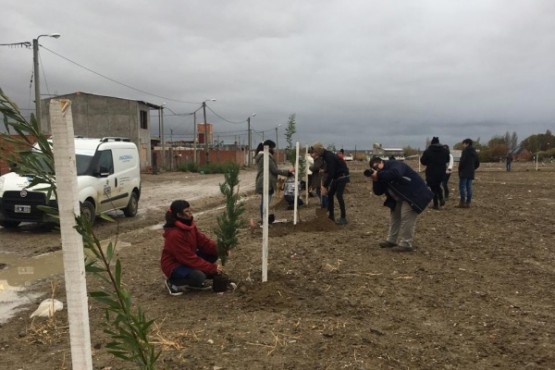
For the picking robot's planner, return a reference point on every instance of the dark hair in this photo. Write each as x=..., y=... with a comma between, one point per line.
x=374, y=160
x=176, y=207
x=270, y=143
x=341, y=150
x=259, y=148
x=467, y=141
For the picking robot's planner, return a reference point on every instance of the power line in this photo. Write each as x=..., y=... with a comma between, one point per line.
x=224, y=119
x=115, y=81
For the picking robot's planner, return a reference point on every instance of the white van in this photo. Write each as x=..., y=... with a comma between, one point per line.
x=108, y=178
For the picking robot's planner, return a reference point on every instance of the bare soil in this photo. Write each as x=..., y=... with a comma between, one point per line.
x=478, y=292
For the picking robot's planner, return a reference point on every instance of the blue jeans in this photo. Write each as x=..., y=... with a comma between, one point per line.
x=465, y=189
x=183, y=275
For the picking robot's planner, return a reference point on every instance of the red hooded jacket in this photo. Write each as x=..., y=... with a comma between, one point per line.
x=181, y=243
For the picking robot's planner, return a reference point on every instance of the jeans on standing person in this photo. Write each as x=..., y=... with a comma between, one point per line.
x=337, y=188
x=445, y=185
x=465, y=190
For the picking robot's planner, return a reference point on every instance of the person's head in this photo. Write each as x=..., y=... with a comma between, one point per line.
x=316, y=150
x=179, y=211
x=376, y=163
x=259, y=148
x=467, y=142
x=435, y=140
x=270, y=144
x=341, y=151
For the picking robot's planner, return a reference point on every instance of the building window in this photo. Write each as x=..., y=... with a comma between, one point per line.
x=144, y=119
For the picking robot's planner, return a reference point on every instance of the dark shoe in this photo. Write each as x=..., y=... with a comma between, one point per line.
x=204, y=286
x=387, y=244
x=461, y=204
x=467, y=205
x=435, y=206
x=290, y=208
x=172, y=289
x=402, y=248
x=442, y=202
x=342, y=221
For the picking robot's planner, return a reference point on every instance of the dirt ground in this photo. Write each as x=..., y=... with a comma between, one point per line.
x=478, y=292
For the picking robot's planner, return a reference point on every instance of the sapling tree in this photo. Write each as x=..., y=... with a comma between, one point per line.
x=229, y=222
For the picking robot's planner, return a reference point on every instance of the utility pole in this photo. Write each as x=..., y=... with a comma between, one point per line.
x=250, y=141
x=37, y=79
x=206, y=153
x=163, y=164
x=195, y=138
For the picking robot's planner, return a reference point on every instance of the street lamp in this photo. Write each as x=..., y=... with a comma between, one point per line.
x=36, y=73
x=250, y=138
x=206, y=153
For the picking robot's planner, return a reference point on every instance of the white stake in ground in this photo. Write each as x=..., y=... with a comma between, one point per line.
x=265, y=205
x=295, y=207
x=72, y=242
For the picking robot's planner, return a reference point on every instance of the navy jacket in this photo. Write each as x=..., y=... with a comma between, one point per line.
x=404, y=182
x=468, y=163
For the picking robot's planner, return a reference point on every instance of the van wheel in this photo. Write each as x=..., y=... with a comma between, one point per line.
x=9, y=224
x=88, y=211
x=132, y=206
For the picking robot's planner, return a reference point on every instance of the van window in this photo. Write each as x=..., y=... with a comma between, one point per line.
x=105, y=162
x=83, y=162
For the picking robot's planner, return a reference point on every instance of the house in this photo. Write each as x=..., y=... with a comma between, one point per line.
x=102, y=116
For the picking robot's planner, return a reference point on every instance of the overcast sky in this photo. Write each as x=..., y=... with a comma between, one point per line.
x=354, y=72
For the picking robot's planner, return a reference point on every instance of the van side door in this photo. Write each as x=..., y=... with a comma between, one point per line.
x=106, y=181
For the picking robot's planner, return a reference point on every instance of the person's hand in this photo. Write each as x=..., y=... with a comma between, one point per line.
x=448, y=171
x=323, y=190
x=374, y=176
x=219, y=269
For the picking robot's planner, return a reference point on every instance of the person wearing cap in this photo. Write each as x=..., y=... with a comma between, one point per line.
x=435, y=158
x=333, y=184
x=189, y=256
x=468, y=164
x=273, y=170
x=406, y=195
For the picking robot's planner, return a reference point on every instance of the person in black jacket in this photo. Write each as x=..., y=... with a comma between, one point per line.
x=435, y=158
x=406, y=195
x=468, y=164
x=335, y=180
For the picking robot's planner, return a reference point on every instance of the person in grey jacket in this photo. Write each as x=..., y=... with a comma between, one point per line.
x=468, y=164
x=274, y=172
x=406, y=195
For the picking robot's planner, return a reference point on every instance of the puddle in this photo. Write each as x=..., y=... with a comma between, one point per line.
x=17, y=274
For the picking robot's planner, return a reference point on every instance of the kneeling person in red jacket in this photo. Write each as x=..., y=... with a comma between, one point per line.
x=189, y=256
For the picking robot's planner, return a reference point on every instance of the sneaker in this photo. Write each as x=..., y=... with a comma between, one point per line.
x=387, y=244
x=402, y=248
x=342, y=221
x=172, y=289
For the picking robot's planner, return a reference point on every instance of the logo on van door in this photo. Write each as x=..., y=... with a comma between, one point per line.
x=125, y=157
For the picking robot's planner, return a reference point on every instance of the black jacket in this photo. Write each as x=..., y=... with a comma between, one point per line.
x=404, y=182
x=435, y=159
x=468, y=163
x=336, y=168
